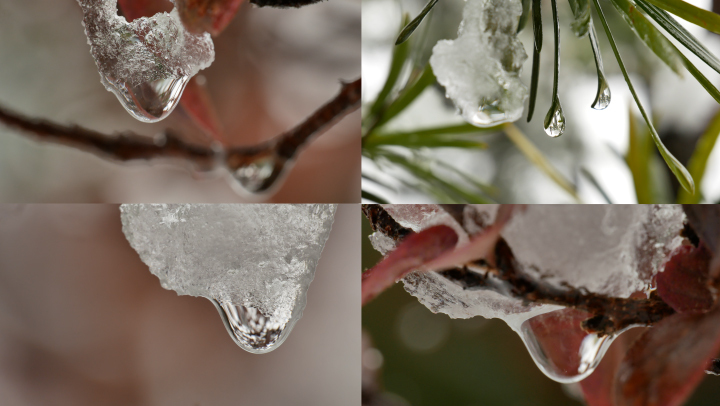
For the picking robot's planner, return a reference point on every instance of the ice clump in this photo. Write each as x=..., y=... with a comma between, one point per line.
x=255, y=262
x=480, y=70
x=146, y=63
x=614, y=250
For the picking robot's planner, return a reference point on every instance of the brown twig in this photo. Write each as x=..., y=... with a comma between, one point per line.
x=127, y=146
x=505, y=276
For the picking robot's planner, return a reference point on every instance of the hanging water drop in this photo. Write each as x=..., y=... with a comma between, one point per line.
x=555, y=120
x=149, y=101
x=559, y=346
x=259, y=174
x=252, y=330
x=146, y=63
x=489, y=114
x=255, y=262
x=602, y=99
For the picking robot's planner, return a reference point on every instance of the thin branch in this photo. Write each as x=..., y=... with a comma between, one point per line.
x=505, y=276
x=128, y=146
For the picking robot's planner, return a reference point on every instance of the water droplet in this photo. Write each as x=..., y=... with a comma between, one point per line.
x=489, y=114
x=602, y=99
x=559, y=346
x=149, y=101
x=260, y=174
x=251, y=329
x=555, y=120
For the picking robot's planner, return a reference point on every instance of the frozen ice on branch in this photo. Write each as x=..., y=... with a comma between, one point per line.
x=609, y=250
x=255, y=262
x=146, y=63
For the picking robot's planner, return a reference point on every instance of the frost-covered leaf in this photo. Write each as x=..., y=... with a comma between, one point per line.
x=480, y=70
x=684, y=282
x=665, y=365
x=415, y=250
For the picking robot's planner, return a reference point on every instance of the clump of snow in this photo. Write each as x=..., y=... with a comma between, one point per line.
x=609, y=249
x=480, y=70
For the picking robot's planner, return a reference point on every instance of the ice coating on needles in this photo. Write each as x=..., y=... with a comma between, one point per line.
x=255, y=262
x=480, y=70
x=613, y=250
x=146, y=63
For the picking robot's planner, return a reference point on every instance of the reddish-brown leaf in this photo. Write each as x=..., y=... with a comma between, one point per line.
x=664, y=366
x=684, y=282
x=480, y=246
x=197, y=104
x=705, y=221
x=212, y=16
x=415, y=250
x=598, y=387
x=133, y=9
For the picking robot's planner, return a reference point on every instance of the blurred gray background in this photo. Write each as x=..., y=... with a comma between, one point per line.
x=83, y=322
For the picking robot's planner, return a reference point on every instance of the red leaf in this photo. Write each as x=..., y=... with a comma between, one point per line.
x=665, y=365
x=705, y=221
x=598, y=387
x=212, y=16
x=481, y=245
x=684, y=282
x=197, y=104
x=415, y=250
x=133, y=9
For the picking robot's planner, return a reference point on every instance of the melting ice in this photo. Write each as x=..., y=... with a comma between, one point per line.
x=480, y=70
x=255, y=262
x=146, y=63
x=613, y=250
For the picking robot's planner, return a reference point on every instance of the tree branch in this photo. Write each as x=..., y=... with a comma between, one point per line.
x=128, y=146
x=610, y=314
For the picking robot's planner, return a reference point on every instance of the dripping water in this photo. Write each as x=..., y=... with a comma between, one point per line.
x=602, y=99
x=555, y=120
x=149, y=101
x=251, y=329
x=489, y=114
x=259, y=174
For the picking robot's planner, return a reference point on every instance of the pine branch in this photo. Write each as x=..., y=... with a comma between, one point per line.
x=129, y=146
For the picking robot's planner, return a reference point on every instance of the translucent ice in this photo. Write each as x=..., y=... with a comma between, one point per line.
x=254, y=262
x=146, y=63
x=614, y=250
x=480, y=70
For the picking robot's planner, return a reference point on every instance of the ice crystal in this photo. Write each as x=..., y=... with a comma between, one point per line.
x=147, y=62
x=255, y=262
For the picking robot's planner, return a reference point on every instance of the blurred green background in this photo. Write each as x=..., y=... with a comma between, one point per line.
x=431, y=360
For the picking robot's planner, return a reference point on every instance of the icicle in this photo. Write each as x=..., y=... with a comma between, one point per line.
x=146, y=63
x=254, y=262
